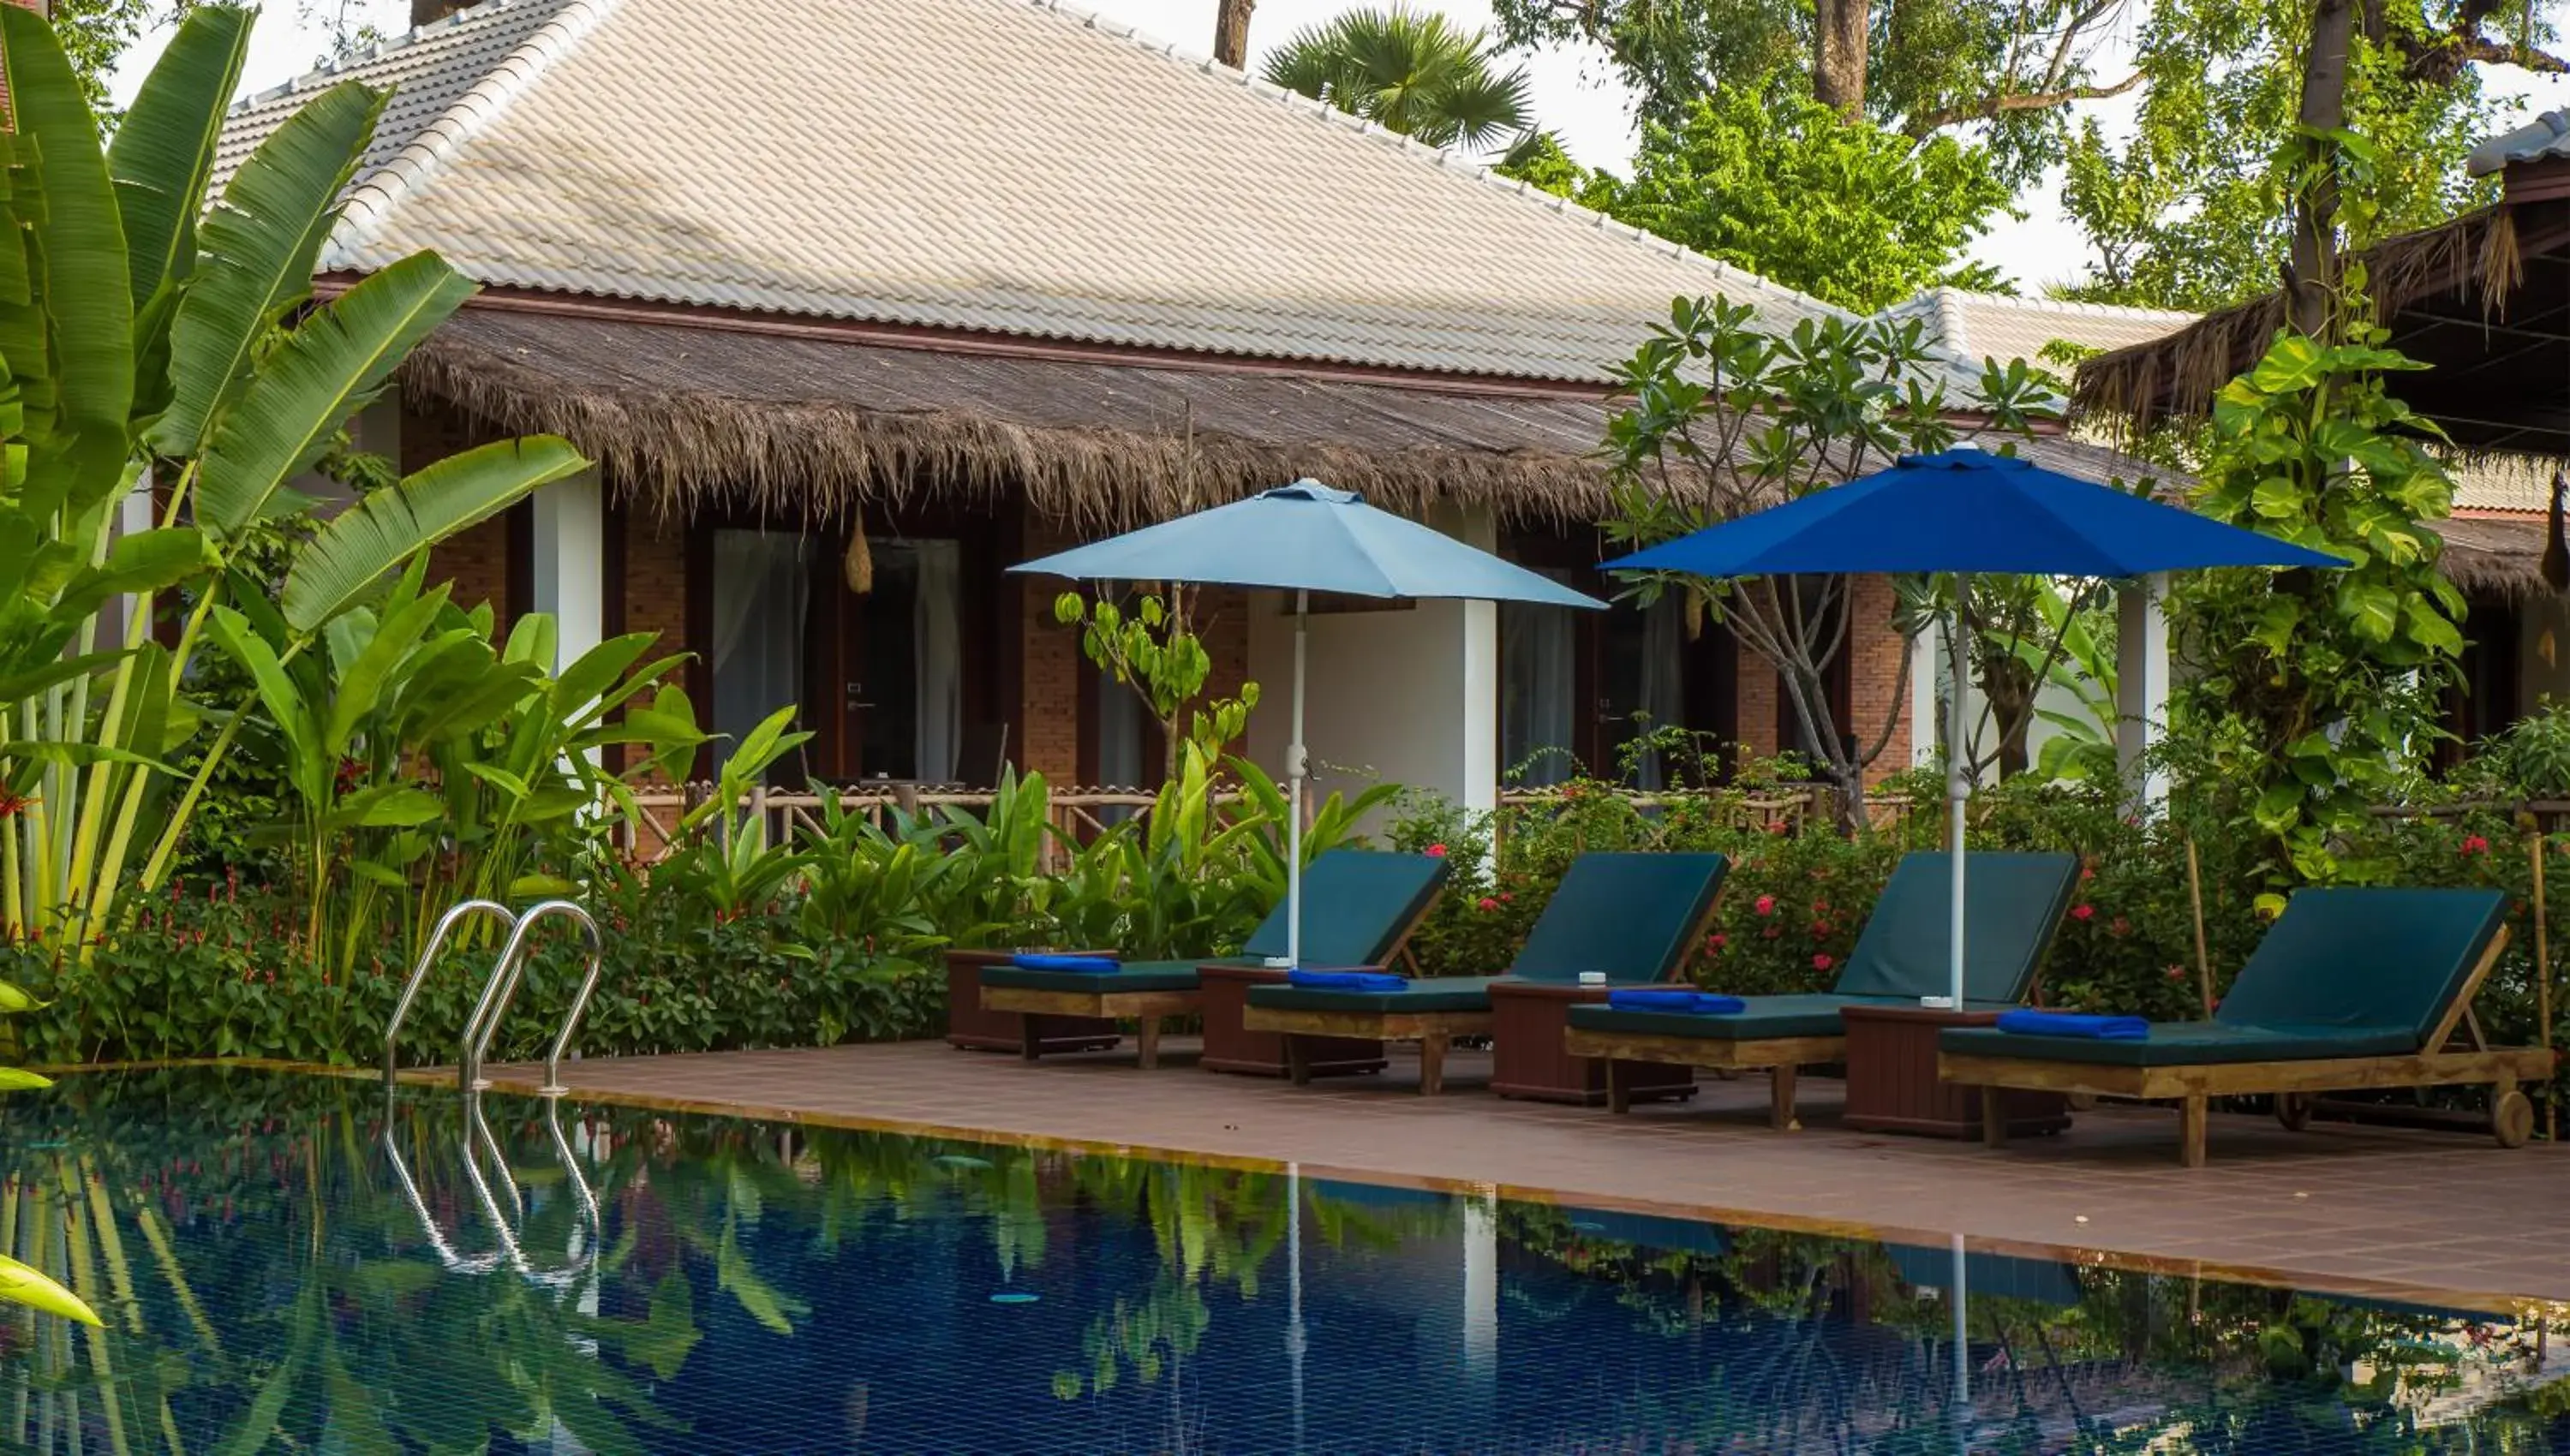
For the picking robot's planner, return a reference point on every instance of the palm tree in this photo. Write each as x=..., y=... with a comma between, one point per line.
x=1411, y=72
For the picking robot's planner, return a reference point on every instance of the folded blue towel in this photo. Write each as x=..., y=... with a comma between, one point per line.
x=2071, y=1024
x=1080, y=964
x=1346, y=980
x=1689, y=1003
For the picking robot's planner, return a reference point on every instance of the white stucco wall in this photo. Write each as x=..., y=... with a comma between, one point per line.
x=1407, y=695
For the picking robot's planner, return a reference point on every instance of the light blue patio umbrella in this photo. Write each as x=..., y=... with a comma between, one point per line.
x=1306, y=538
x=1966, y=511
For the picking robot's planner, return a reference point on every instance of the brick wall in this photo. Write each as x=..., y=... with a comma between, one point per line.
x=656, y=579
x=1049, y=668
x=1761, y=697
x=1224, y=628
x=1876, y=653
x=476, y=560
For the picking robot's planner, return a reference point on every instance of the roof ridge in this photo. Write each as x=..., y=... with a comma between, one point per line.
x=388, y=46
x=1947, y=296
x=377, y=194
x=1442, y=157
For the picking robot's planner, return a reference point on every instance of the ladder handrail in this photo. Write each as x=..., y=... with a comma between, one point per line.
x=446, y=923
x=503, y=987
x=553, y=1086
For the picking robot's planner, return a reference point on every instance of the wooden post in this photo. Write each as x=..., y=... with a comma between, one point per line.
x=2195, y=897
x=2543, y=986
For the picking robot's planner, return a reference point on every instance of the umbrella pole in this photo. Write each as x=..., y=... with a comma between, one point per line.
x=1294, y=797
x=1958, y=785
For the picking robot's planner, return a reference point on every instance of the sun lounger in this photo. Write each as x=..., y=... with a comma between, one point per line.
x=2351, y=988
x=1359, y=908
x=1631, y=917
x=2015, y=904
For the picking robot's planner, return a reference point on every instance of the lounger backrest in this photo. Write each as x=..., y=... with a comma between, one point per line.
x=1630, y=915
x=2012, y=905
x=1356, y=905
x=2382, y=959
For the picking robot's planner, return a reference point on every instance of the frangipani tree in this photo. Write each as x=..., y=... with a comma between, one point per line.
x=145, y=340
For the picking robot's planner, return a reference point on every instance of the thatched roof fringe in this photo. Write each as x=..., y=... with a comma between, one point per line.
x=813, y=460
x=2181, y=373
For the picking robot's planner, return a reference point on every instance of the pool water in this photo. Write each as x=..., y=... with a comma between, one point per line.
x=288, y=1264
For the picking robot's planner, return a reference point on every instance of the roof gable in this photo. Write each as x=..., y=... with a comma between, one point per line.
x=1002, y=165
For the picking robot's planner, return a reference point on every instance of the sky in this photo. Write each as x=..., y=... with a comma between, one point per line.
x=1573, y=95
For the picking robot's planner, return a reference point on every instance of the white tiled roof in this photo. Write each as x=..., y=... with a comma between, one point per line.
x=2546, y=137
x=1998, y=326
x=1003, y=165
x=2504, y=483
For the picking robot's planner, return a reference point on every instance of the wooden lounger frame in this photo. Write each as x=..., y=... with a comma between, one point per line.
x=1780, y=1056
x=2471, y=1062
x=1143, y=1008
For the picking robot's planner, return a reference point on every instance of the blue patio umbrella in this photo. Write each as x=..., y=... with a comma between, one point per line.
x=1306, y=538
x=1965, y=510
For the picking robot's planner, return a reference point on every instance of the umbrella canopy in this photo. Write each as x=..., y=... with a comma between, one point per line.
x=1970, y=511
x=1307, y=536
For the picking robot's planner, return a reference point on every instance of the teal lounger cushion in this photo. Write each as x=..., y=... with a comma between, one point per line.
x=2186, y=1044
x=2012, y=905
x=1767, y=1018
x=2341, y=973
x=1435, y=993
x=1629, y=916
x=1357, y=905
x=1132, y=975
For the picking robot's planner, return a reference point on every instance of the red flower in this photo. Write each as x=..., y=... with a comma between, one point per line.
x=1819, y=929
x=1772, y=931
x=2475, y=845
x=1779, y=827
x=10, y=803
x=1435, y=851
x=1766, y=905
x=2083, y=911
x=1716, y=941
x=2087, y=872
x=2177, y=972
x=1820, y=907
x=1822, y=962
x=1486, y=905
x=1505, y=897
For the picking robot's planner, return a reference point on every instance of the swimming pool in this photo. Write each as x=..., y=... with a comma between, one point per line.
x=285, y=1266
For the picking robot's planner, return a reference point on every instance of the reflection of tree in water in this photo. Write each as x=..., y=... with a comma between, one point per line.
x=265, y=1281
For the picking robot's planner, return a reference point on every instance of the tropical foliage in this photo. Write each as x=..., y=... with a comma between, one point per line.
x=1153, y=647
x=1412, y=71
x=1787, y=190
x=2314, y=694
x=1724, y=419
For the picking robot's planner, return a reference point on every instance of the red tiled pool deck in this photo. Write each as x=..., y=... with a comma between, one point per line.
x=2404, y=1212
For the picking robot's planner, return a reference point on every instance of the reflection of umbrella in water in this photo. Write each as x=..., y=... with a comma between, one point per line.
x=1966, y=511
x=1306, y=538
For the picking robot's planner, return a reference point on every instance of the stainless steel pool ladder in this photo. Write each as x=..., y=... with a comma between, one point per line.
x=500, y=989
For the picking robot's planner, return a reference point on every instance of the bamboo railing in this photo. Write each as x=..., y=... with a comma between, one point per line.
x=1083, y=812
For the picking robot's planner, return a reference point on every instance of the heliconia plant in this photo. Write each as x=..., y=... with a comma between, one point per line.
x=165, y=362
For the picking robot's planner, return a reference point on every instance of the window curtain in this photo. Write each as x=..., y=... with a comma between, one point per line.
x=761, y=594
x=1538, y=669
x=936, y=627
x=1662, y=689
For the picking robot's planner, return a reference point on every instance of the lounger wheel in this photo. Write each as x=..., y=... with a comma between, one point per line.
x=2294, y=1110
x=2513, y=1119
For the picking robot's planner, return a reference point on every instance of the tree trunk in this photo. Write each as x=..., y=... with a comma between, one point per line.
x=1837, y=56
x=2312, y=274
x=1232, y=32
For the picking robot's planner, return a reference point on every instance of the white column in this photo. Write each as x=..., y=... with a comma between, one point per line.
x=1478, y=713
x=2141, y=681
x=570, y=568
x=1924, y=731
x=1481, y=1301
